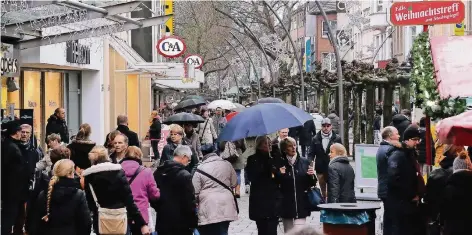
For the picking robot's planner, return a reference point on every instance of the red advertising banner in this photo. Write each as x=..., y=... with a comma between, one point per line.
x=453, y=66
x=427, y=12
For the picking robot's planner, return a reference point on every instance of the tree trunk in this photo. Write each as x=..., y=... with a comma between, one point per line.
x=318, y=98
x=356, y=127
x=336, y=101
x=404, y=97
x=293, y=97
x=387, y=104
x=325, y=103
x=369, y=113
x=347, y=98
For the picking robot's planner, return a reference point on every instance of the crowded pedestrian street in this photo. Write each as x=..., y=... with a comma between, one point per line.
x=255, y=117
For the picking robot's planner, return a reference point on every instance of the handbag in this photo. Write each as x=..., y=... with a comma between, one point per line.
x=222, y=184
x=315, y=198
x=111, y=221
x=230, y=152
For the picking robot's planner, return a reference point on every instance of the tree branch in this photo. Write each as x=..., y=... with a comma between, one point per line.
x=216, y=70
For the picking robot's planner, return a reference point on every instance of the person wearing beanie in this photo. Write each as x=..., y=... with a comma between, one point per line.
x=456, y=206
x=15, y=176
x=405, y=185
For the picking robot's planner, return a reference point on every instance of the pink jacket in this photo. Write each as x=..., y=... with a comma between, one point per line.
x=143, y=187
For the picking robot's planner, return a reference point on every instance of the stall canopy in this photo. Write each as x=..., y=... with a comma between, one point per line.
x=456, y=130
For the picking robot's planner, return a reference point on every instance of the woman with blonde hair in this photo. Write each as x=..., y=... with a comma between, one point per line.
x=142, y=183
x=155, y=132
x=175, y=139
x=110, y=188
x=62, y=209
x=81, y=146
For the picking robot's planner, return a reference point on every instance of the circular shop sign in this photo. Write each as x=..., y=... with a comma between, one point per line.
x=195, y=60
x=171, y=46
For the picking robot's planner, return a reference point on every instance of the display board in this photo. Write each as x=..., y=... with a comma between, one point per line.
x=366, y=165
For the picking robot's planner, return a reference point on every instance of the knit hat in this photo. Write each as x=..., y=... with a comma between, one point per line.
x=411, y=132
x=461, y=163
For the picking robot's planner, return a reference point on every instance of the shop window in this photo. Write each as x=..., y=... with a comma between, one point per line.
x=32, y=99
x=53, y=90
x=10, y=97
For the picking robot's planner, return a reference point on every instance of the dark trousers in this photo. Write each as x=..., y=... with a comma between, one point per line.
x=11, y=210
x=267, y=226
x=220, y=228
x=135, y=230
x=386, y=220
x=304, y=150
x=155, y=149
x=246, y=179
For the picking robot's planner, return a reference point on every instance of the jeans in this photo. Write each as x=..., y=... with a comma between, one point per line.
x=246, y=179
x=220, y=228
x=238, y=175
x=155, y=148
x=267, y=226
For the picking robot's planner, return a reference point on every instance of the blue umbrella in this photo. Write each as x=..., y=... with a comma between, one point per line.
x=263, y=119
x=268, y=100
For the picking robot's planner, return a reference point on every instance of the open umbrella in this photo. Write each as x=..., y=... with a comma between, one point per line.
x=193, y=97
x=456, y=130
x=190, y=103
x=239, y=107
x=181, y=118
x=224, y=104
x=263, y=119
x=271, y=100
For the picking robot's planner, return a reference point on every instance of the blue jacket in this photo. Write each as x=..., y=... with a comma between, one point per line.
x=382, y=165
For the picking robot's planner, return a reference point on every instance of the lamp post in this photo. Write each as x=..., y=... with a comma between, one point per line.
x=253, y=66
x=299, y=61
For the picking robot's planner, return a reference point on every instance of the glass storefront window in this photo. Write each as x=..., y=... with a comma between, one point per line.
x=32, y=98
x=10, y=97
x=53, y=90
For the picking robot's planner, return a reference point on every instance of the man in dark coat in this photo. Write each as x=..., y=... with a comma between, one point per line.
x=340, y=176
x=319, y=150
x=16, y=175
x=282, y=134
x=405, y=186
x=57, y=125
x=155, y=136
x=401, y=122
x=305, y=135
x=176, y=209
x=389, y=136
x=422, y=145
x=122, y=122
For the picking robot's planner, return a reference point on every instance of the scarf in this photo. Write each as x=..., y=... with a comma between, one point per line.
x=292, y=159
x=325, y=138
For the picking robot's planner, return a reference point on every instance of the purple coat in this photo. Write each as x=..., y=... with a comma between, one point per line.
x=143, y=187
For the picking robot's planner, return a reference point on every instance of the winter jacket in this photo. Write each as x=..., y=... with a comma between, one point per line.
x=422, y=146
x=168, y=154
x=68, y=211
x=194, y=140
x=437, y=182
x=456, y=205
x=341, y=181
x=133, y=139
x=403, y=181
x=264, y=200
x=112, y=191
x=155, y=129
x=401, y=122
x=32, y=154
x=143, y=187
x=334, y=122
x=16, y=172
x=79, y=150
x=320, y=155
x=206, y=132
x=307, y=132
x=215, y=203
x=219, y=122
x=382, y=169
x=57, y=126
x=294, y=185
x=176, y=208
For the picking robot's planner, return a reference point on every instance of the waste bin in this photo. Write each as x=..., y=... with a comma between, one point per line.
x=348, y=218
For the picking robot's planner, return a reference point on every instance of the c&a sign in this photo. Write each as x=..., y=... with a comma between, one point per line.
x=427, y=12
x=195, y=60
x=171, y=46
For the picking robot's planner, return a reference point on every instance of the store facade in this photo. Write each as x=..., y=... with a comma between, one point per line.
x=66, y=75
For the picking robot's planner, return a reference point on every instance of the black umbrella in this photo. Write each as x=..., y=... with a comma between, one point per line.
x=193, y=97
x=189, y=103
x=182, y=118
x=269, y=100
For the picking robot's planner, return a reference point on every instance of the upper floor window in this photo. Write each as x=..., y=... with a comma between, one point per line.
x=328, y=61
x=324, y=28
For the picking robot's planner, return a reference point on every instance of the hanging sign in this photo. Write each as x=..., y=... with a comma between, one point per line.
x=195, y=60
x=427, y=12
x=9, y=60
x=171, y=46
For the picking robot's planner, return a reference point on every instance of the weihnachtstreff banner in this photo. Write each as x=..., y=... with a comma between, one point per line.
x=452, y=60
